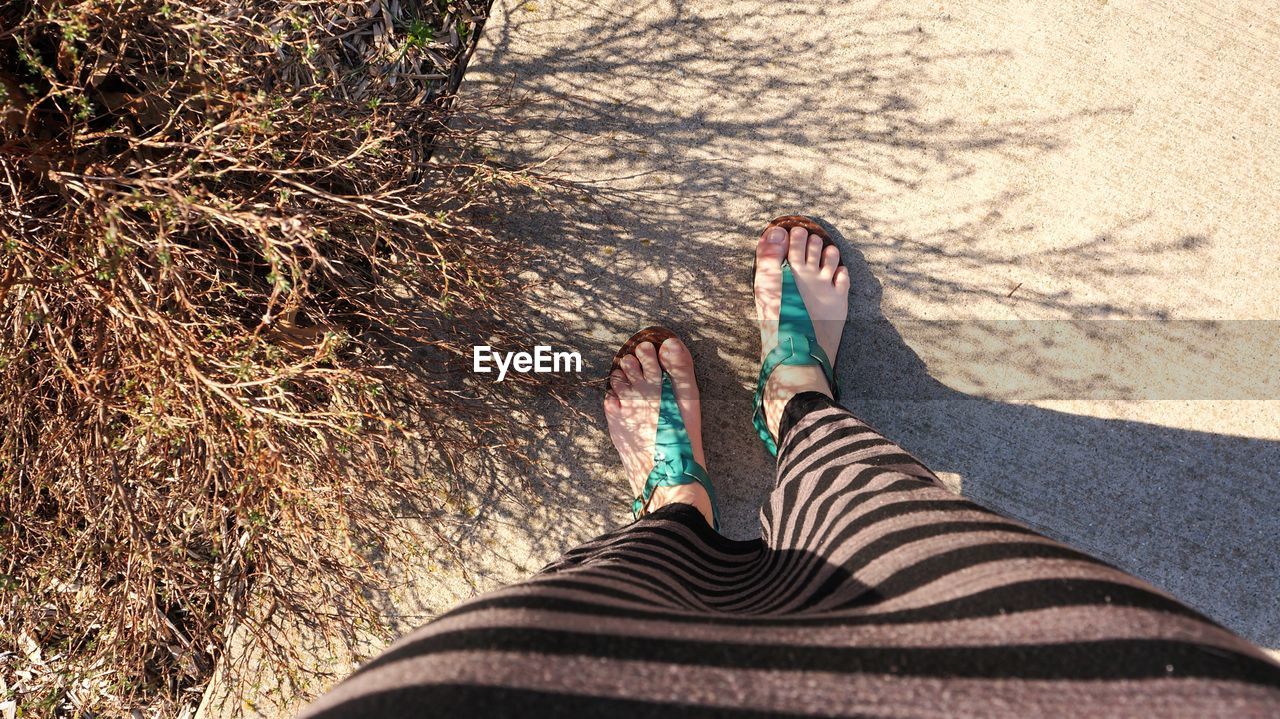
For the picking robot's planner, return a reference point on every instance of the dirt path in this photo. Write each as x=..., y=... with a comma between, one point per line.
x=1001, y=168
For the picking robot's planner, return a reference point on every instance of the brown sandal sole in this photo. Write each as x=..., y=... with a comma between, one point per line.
x=787, y=222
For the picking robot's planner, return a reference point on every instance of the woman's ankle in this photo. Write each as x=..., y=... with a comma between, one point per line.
x=691, y=494
x=786, y=382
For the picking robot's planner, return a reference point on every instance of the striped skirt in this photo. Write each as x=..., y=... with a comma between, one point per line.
x=873, y=591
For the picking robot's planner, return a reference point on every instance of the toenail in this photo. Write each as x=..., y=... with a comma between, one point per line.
x=776, y=235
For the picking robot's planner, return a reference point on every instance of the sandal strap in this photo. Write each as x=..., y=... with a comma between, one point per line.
x=797, y=345
x=673, y=462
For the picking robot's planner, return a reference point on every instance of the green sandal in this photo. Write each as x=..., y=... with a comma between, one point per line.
x=797, y=340
x=674, y=464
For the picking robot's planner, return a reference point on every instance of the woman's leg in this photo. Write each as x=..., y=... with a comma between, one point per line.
x=926, y=600
x=940, y=592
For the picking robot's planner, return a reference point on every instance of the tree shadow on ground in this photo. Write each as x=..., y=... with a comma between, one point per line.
x=695, y=127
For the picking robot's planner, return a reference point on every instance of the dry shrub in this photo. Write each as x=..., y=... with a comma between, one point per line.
x=228, y=265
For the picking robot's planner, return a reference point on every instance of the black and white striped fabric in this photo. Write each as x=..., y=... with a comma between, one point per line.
x=874, y=591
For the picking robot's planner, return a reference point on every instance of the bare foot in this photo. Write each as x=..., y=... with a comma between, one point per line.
x=631, y=406
x=824, y=284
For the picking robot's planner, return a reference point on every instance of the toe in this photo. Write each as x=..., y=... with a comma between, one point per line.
x=648, y=356
x=676, y=359
x=842, y=278
x=618, y=382
x=631, y=367
x=830, y=261
x=797, y=246
x=814, y=256
x=771, y=249
x=678, y=362
x=612, y=405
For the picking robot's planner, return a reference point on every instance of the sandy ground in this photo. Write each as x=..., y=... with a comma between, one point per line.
x=1060, y=222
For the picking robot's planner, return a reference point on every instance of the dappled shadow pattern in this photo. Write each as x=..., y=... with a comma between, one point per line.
x=696, y=127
